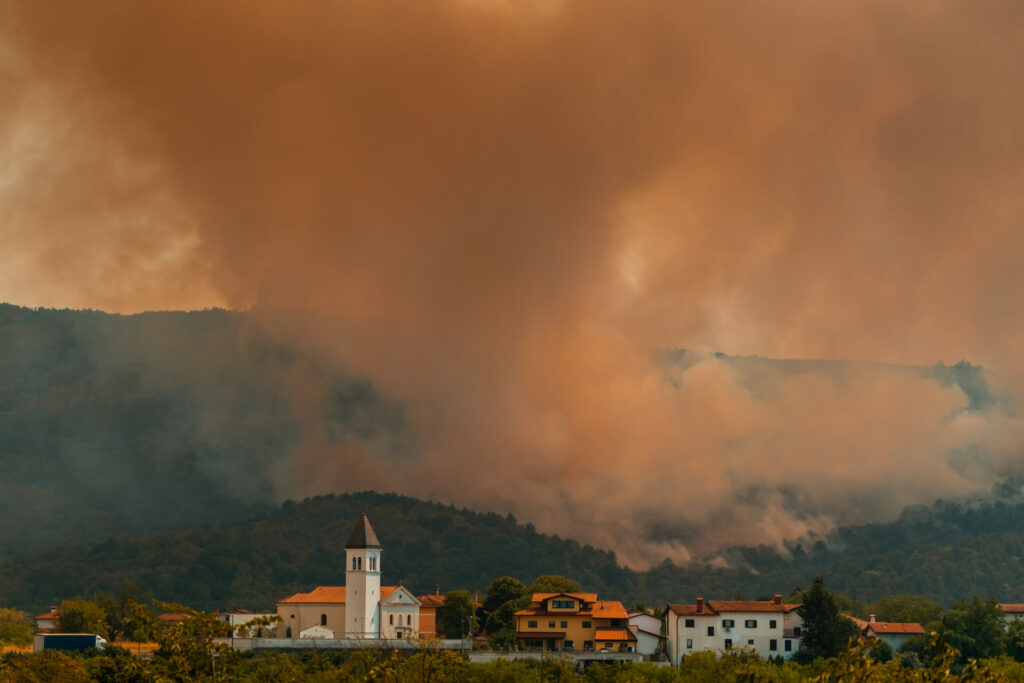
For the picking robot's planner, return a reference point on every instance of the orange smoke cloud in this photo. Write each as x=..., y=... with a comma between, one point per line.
x=529, y=198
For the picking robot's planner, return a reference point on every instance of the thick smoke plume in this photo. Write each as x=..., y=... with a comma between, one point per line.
x=524, y=199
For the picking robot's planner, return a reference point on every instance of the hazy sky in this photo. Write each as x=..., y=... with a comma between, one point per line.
x=534, y=195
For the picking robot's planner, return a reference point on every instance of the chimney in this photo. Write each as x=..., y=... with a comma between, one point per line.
x=700, y=604
x=872, y=618
x=437, y=589
x=778, y=599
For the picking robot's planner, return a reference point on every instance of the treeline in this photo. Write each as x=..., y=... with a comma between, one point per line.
x=942, y=552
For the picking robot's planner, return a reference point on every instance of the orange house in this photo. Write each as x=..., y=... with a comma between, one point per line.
x=574, y=622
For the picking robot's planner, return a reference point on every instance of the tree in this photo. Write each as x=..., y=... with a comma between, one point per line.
x=826, y=631
x=81, y=616
x=501, y=626
x=975, y=628
x=906, y=609
x=16, y=627
x=1015, y=640
x=501, y=591
x=553, y=583
x=456, y=615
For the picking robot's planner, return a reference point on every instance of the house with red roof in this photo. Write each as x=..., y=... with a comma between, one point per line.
x=768, y=627
x=893, y=633
x=572, y=622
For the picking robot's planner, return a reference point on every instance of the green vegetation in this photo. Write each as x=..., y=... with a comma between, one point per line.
x=16, y=627
x=456, y=618
x=188, y=654
x=825, y=630
x=942, y=553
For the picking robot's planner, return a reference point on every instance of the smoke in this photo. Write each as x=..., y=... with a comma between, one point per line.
x=527, y=198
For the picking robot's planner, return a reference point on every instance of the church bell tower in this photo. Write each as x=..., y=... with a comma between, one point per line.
x=362, y=582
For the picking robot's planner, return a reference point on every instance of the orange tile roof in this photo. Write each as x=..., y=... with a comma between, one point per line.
x=881, y=627
x=614, y=634
x=1012, y=607
x=48, y=615
x=716, y=607
x=329, y=595
x=585, y=597
x=173, y=617
x=750, y=606
x=691, y=610
x=609, y=609
x=432, y=600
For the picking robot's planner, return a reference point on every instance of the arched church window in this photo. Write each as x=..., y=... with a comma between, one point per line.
x=408, y=620
x=353, y=564
x=391, y=619
x=323, y=620
x=359, y=560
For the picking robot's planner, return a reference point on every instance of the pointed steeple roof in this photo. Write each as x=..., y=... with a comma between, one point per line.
x=363, y=535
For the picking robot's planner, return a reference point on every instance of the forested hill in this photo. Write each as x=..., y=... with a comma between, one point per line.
x=115, y=424
x=126, y=424
x=945, y=552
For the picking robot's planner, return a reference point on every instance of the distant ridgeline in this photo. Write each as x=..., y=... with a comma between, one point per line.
x=945, y=551
x=116, y=424
x=754, y=369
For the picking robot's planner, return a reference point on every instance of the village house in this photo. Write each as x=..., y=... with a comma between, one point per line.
x=890, y=632
x=1011, y=611
x=47, y=621
x=647, y=629
x=362, y=608
x=769, y=627
x=237, y=618
x=429, y=604
x=574, y=621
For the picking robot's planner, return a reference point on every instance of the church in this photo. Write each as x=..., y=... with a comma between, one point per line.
x=362, y=608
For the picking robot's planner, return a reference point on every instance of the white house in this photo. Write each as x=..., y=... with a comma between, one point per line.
x=1011, y=611
x=239, y=617
x=362, y=608
x=316, y=632
x=647, y=629
x=769, y=627
x=893, y=633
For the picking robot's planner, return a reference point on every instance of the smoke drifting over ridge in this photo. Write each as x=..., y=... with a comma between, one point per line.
x=529, y=197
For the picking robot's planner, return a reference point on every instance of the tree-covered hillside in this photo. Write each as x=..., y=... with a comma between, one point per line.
x=945, y=552
x=112, y=424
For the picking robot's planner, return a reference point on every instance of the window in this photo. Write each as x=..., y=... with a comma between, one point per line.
x=563, y=604
x=711, y=630
x=323, y=620
x=689, y=643
x=391, y=619
x=353, y=564
x=588, y=645
x=728, y=623
x=689, y=623
x=359, y=563
x=796, y=631
x=408, y=620
x=569, y=645
x=773, y=645
x=586, y=624
x=565, y=624
x=750, y=623
x=728, y=643
x=608, y=646
x=750, y=642
x=534, y=643
x=789, y=645
x=551, y=624
x=772, y=624
x=531, y=623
